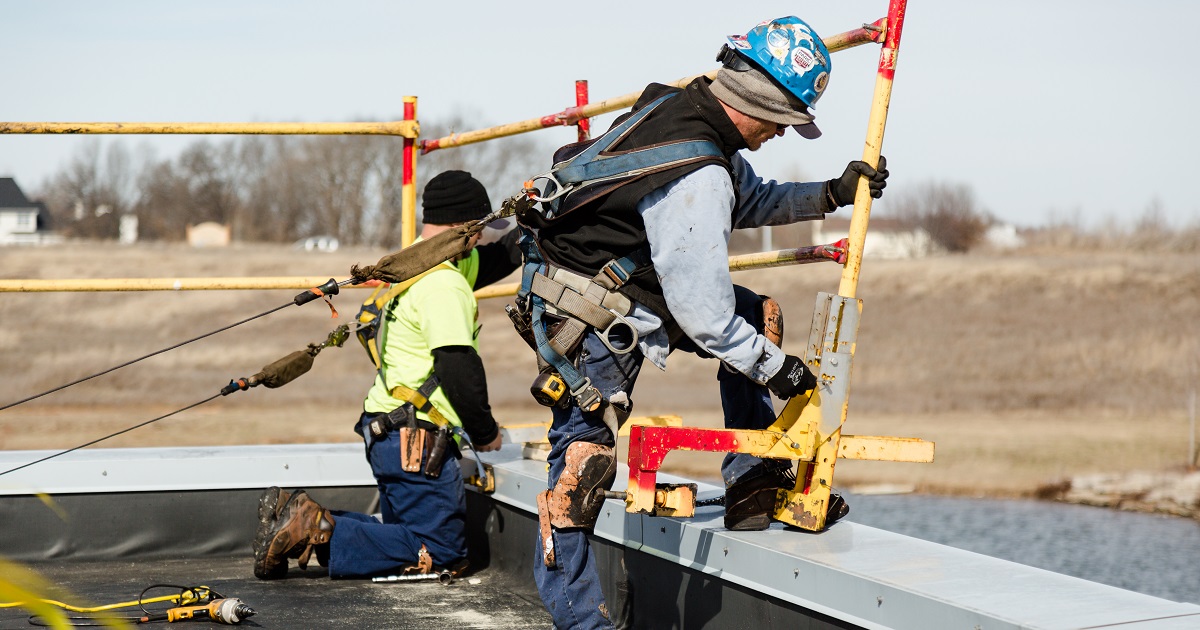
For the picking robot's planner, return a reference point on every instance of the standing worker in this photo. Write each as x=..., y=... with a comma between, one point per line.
x=430, y=387
x=650, y=250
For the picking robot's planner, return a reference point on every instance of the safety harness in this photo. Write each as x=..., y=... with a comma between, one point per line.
x=559, y=304
x=413, y=431
x=370, y=316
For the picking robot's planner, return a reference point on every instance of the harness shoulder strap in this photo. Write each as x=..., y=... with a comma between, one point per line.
x=600, y=162
x=372, y=317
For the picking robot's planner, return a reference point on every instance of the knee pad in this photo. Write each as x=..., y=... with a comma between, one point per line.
x=770, y=320
x=576, y=499
x=578, y=496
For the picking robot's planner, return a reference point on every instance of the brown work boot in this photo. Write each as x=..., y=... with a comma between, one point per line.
x=269, y=505
x=301, y=524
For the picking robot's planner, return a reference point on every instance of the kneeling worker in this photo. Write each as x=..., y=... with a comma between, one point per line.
x=428, y=351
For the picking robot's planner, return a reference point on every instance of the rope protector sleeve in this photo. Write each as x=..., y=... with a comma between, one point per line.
x=426, y=254
x=285, y=370
x=420, y=256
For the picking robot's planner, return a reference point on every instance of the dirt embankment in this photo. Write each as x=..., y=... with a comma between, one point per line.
x=1026, y=368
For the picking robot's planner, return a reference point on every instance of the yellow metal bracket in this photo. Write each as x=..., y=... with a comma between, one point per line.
x=487, y=483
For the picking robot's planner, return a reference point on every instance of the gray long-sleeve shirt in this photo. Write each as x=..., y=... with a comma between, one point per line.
x=688, y=224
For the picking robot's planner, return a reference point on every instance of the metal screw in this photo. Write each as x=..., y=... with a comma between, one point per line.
x=879, y=602
x=285, y=466
x=104, y=473
x=795, y=573
x=832, y=360
x=726, y=550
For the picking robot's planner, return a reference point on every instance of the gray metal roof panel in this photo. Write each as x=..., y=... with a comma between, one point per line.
x=859, y=574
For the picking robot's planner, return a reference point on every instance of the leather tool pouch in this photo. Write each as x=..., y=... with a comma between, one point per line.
x=412, y=445
x=412, y=437
x=437, y=452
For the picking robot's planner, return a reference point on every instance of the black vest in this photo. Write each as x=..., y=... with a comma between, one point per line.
x=609, y=227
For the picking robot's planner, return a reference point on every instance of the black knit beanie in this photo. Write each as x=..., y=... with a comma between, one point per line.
x=454, y=197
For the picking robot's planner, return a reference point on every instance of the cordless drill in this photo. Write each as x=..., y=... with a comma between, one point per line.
x=230, y=611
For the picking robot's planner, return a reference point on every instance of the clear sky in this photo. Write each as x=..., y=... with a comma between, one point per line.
x=1065, y=110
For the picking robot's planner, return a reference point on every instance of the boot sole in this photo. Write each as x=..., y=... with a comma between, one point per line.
x=268, y=508
x=755, y=523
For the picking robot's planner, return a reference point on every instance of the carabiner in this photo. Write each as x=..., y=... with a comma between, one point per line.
x=587, y=397
x=559, y=189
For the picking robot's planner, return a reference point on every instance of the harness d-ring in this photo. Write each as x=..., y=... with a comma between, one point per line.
x=618, y=320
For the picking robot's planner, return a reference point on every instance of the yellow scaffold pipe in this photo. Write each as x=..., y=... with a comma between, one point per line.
x=403, y=128
x=871, y=150
x=868, y=33
x=160, y=284
x=744, y=262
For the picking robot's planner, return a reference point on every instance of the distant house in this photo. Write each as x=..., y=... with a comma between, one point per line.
x=22, y=222
x=886, y=238
x=208, y=234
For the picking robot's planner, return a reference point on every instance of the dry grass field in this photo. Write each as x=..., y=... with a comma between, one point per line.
x=1025, y=367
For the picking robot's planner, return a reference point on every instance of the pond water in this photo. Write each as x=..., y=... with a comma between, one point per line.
x=1151, y=554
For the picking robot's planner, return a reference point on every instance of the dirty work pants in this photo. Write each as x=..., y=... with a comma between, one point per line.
x=571, y=592
x=416, y=510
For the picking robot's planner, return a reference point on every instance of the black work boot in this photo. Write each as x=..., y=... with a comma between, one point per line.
x=750, y=503
x=837, y=509
x=301, y=525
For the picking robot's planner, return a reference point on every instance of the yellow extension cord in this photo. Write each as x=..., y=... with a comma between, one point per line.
x=188, y=597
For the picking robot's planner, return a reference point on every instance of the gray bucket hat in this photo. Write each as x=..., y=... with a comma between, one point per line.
x=753, y=93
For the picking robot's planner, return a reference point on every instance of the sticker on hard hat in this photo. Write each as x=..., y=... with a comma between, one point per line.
x=778, y=38
x=821, y=81
x=739, y=41
x=803, y=60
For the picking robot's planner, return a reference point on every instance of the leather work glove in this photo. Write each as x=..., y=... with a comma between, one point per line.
x=793, y=379
x=841, y=191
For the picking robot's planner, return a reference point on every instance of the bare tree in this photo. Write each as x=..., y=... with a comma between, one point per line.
x=92, y=191
x=161, y=209
x=501, y=165
x=277, y=188
x=947, y=212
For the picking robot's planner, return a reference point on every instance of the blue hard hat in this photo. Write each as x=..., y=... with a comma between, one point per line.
x=789, y=50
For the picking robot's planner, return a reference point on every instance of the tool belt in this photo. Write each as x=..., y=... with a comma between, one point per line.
x=424, y=444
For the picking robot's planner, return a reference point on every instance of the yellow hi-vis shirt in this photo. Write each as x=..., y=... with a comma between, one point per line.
x=438, y=310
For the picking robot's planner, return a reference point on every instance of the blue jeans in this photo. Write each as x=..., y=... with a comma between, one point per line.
x=416, y=510
x=571, y=592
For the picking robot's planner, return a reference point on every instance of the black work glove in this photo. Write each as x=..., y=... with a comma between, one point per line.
x=840, y=191
x=793, y=379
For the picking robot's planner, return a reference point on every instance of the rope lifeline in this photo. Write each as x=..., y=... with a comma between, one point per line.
x=326, y=290
x=136, y=426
